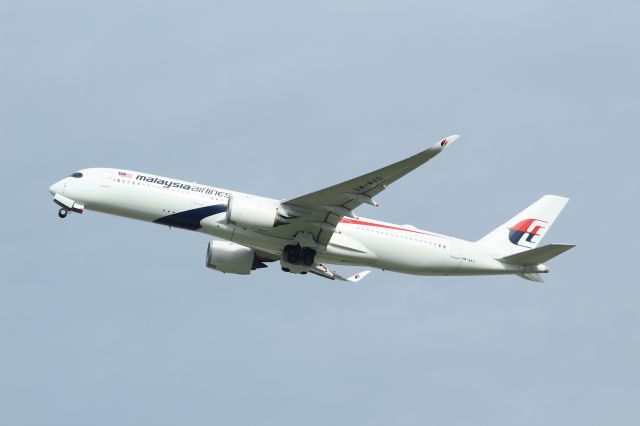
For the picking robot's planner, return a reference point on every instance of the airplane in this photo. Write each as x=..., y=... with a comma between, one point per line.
x=307, y=233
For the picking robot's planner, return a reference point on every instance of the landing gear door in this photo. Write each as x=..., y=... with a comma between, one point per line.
x=107, y=178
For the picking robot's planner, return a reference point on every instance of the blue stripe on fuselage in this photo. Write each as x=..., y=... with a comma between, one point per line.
x=190, y=219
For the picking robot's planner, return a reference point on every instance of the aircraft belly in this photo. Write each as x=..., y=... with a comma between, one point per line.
x=344, y=248
x=256, y=239
x=400, y=253
x=216, y=226
x=391, y=252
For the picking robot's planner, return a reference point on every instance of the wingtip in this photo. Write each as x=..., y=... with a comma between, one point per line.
x=448, y=140
x=562, y=197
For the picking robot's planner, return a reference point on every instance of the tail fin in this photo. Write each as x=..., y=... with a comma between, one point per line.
x=525, y=230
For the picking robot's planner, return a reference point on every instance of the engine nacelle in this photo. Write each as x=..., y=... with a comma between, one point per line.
x=253, y=213
x=225, y=256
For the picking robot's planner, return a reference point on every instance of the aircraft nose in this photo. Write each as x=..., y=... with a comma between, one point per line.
x=56, y=188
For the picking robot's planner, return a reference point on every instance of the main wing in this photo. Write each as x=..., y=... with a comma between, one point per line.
x=313, y=217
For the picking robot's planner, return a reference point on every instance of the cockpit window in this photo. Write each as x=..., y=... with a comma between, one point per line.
x=77, y=175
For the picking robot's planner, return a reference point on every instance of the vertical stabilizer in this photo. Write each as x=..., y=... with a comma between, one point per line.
x=525, y=230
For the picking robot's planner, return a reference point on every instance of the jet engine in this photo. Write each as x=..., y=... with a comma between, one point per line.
x=225, y=256
x=253, y=212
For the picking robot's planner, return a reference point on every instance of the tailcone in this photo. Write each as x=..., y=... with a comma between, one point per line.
x=538, y=269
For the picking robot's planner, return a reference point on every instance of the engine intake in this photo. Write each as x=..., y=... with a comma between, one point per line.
x=253, y=212
x=225, y=256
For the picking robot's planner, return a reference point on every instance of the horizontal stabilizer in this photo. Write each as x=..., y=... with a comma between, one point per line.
x=532, y=276
x=354, y=278
x=537, y=256
x=322, y=271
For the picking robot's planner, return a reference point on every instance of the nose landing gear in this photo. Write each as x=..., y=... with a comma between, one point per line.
x=67, y=205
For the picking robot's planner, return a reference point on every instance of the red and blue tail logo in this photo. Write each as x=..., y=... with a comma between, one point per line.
x=524, y=233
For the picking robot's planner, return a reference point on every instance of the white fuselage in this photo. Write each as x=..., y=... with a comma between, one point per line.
x=356, y=241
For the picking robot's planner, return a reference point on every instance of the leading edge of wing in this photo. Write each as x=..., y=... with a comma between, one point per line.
x=359, y=190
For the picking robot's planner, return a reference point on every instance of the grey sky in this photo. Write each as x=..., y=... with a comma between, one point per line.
x=107, y=321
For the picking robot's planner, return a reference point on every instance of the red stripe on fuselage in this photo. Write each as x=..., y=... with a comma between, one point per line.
x=379, y=225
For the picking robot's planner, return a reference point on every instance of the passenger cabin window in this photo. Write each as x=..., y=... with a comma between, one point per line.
x=77, y=175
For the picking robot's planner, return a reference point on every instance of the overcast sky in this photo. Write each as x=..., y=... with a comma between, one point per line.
x=107, y=321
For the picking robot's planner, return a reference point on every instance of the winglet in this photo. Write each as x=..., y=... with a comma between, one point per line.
x=354, y=278
x=447, y=141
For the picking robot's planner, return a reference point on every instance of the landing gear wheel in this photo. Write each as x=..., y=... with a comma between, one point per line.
x=297, y=255
x=308, y=256
x=62, y=213
x=293, y=254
